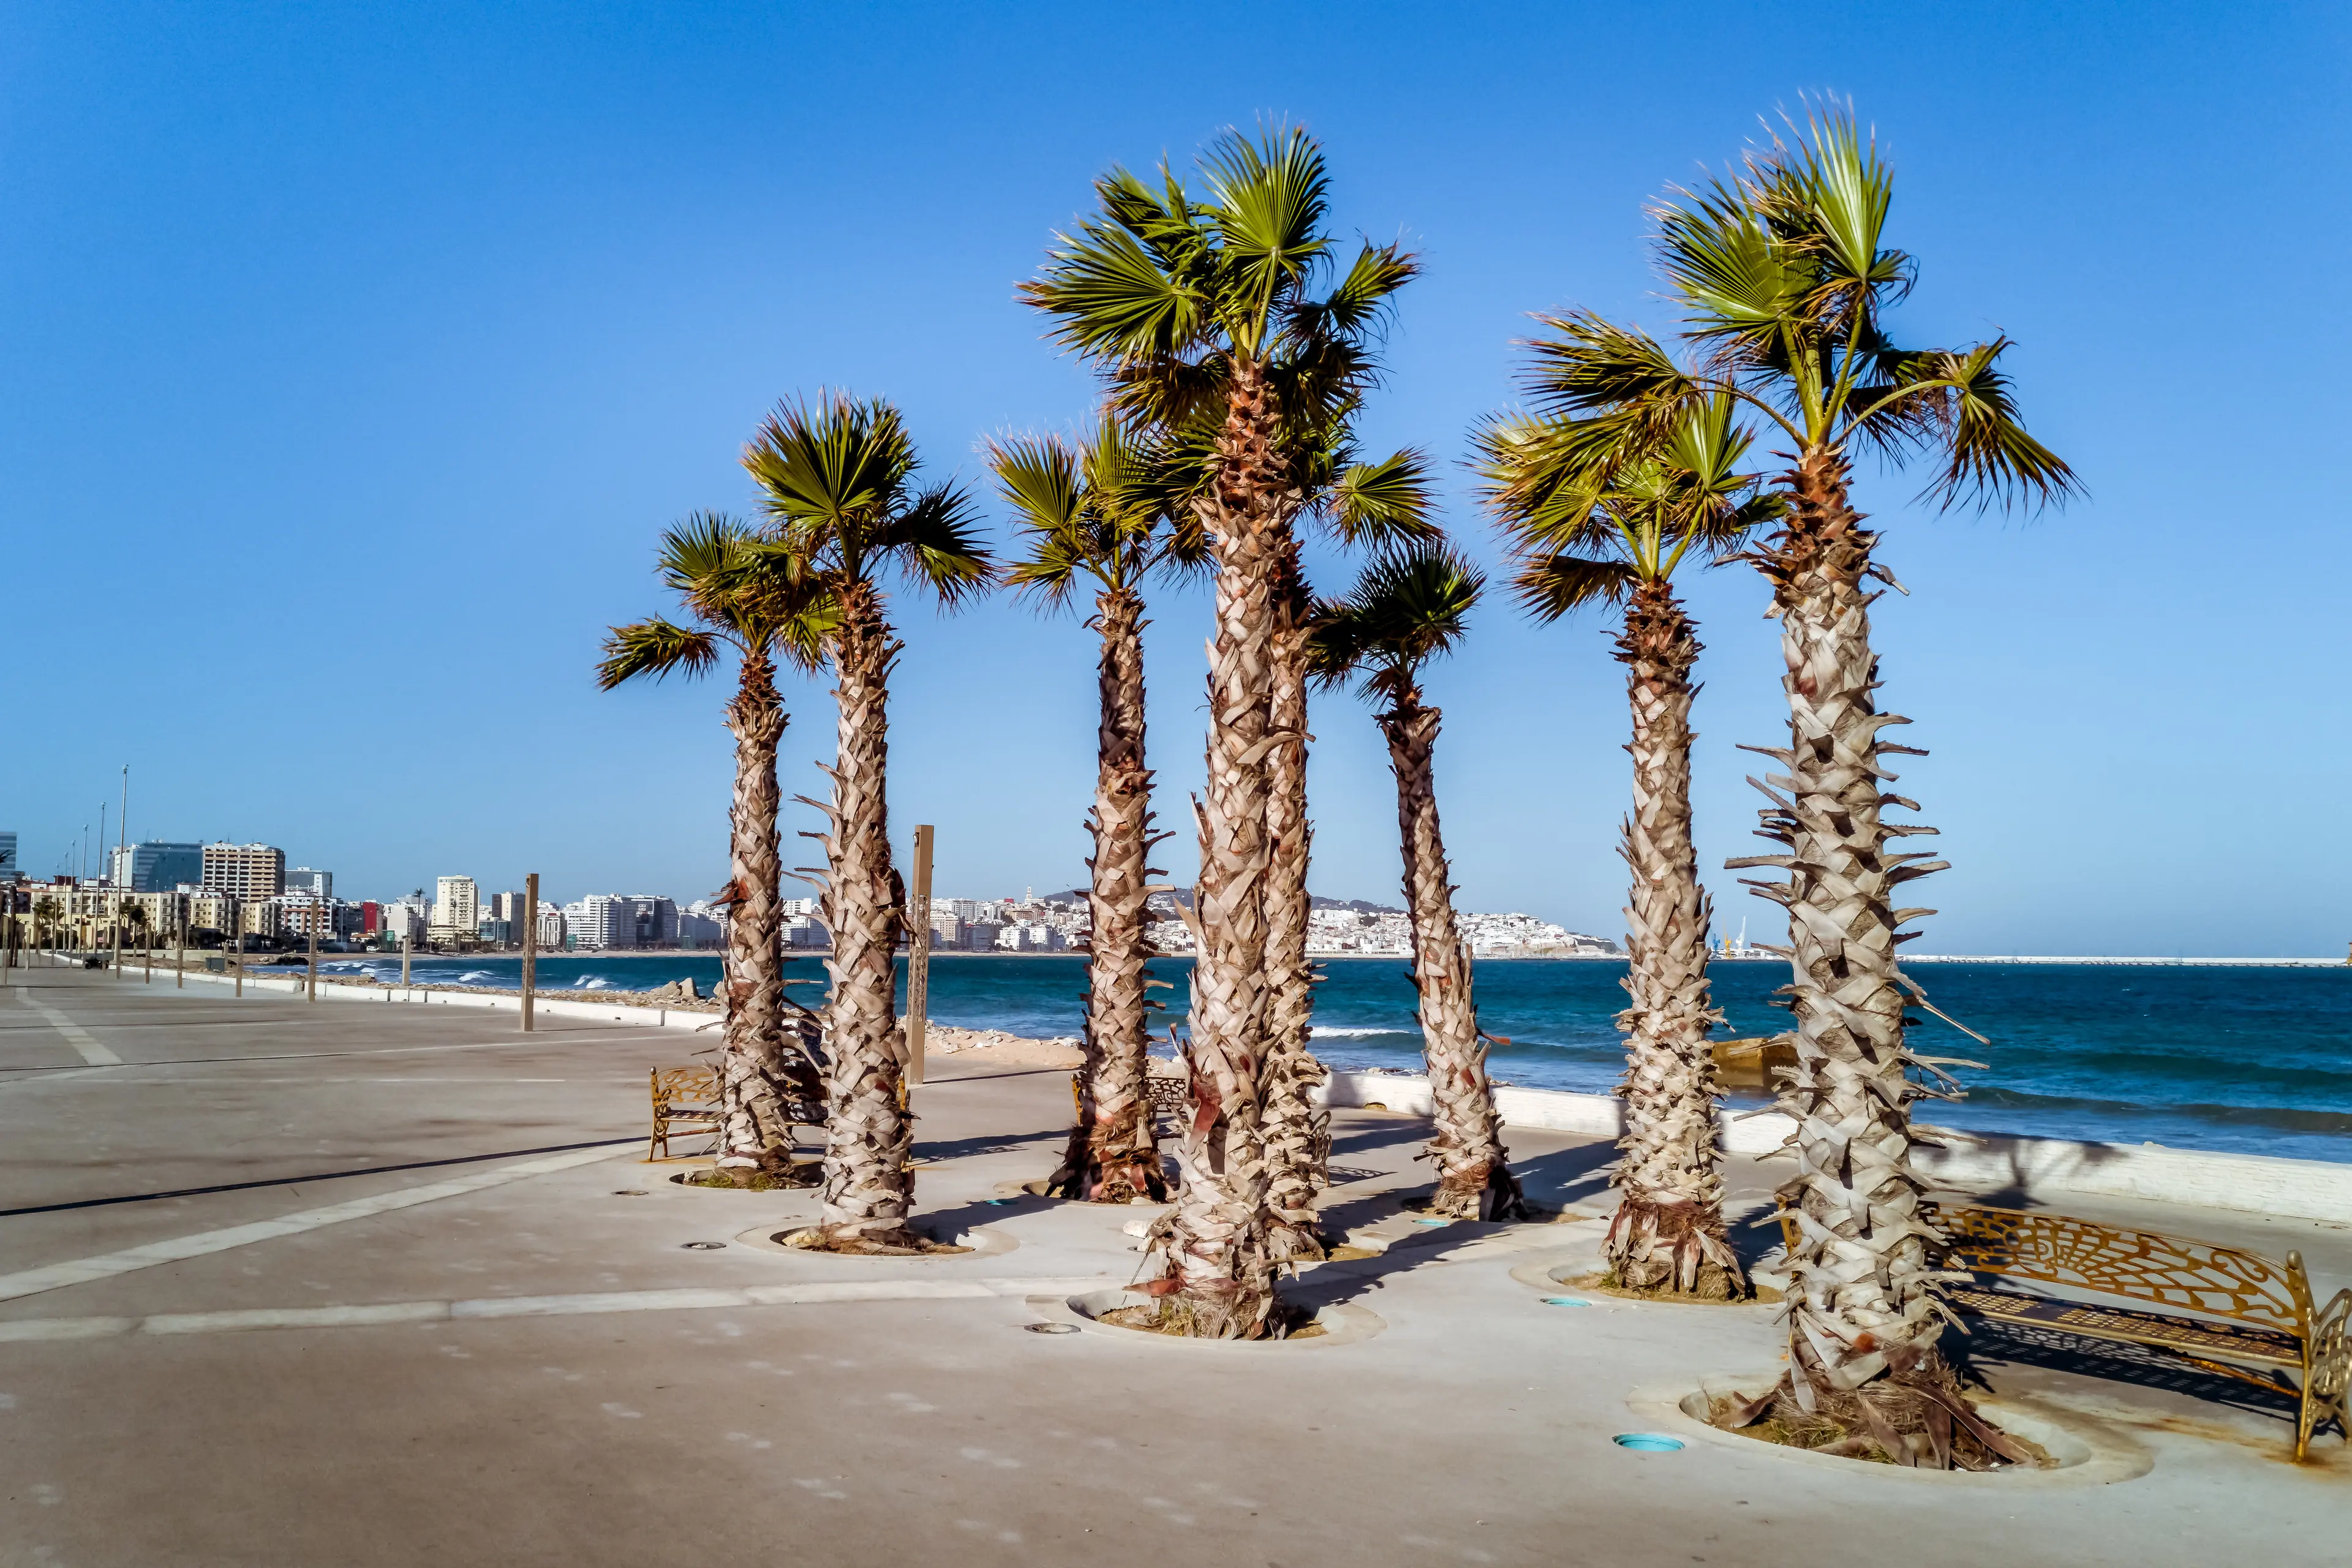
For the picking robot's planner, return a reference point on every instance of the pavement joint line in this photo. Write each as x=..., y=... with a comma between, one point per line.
x=605, y=1038
x=313, y=1176
x=105, y=1266
x=80, y=1039
x=811, y=1293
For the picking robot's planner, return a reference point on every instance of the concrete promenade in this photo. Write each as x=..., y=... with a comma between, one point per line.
x=417, y=1299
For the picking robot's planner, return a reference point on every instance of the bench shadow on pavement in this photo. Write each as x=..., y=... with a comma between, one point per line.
x=1979, y=1355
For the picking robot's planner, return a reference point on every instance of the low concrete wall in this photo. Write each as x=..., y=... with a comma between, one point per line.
x=560, y=1005
x=1983, y=1164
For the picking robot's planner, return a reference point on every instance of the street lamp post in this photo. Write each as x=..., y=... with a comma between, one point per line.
x=530, y=945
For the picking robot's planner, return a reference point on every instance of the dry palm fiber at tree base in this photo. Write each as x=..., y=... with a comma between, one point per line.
x=1916, y=1416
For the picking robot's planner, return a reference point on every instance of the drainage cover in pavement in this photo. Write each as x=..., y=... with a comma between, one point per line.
x=1648, y=1442
x=630, y=1193
x=702, y=1245
x=1051, y=1327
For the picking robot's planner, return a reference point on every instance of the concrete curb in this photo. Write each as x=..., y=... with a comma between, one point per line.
x=541, y=1004
x=2028, y=1167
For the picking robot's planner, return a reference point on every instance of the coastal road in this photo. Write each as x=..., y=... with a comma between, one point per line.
x=298, y=1284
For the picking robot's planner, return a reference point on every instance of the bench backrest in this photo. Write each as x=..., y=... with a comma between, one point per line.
x=2195, y=1276
x=685, y=1085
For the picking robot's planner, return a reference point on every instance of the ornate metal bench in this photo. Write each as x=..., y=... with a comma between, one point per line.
x=686, y=1103
x=2254, y=1318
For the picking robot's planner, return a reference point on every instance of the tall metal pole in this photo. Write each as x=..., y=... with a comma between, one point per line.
x=180, y=942
x=318, y=908
x=530, y=945
x=919, y=957
x=237, y=942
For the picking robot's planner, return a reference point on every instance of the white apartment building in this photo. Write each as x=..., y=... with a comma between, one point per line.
x=601, y=921
x=456, y=908
x=403, y=919
x=248, y=871
x=550, y=928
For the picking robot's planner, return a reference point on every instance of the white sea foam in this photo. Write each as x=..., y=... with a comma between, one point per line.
x=1335, y=1032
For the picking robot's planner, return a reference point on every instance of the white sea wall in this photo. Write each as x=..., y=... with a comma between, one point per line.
x=1977, y=1163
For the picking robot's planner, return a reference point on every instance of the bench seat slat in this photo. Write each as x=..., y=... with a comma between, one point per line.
x=2264, y=1347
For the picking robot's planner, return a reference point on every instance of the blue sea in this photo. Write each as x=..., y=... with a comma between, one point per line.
x=2249, y=1060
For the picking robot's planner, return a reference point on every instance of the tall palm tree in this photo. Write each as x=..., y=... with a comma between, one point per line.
x=1202, y=314
x=1407, y=607
x=1094, y=511
x=1784, y=283
x=836, y=478
x=738, y=596
x=1608, y=521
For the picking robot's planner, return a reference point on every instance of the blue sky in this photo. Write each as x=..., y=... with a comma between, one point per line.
x=351, y=357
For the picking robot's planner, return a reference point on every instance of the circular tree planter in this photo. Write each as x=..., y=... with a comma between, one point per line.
x=1342, y=1323
x=1582, y=1277
x=982, y=1241
x=805, y=1176
x=2082, y=1452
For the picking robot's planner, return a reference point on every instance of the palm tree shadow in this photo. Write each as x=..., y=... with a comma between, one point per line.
x=1551, y=1180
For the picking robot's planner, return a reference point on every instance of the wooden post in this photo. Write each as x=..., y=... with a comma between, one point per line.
x=180, y=941
x=404, y=949
x=237, y=943
x=919, y=956
x=317, y=910
x=530, y=945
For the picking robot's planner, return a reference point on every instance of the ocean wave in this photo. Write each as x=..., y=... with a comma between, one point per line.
x=591, y=983
x=1336, y=1032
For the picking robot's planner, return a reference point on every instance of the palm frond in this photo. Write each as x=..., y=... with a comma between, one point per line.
x=1268, y=198
x=1550, y=586
x=1406, y=607
x=937, y=540
x=1357, y=302
x=1111, y=295
x=1385, y=503
x=1992, y=459
x=657, y=648
x=1588, y=364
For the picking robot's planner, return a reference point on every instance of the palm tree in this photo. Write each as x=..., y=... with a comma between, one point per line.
x=1609, y=520
x=1093, y=512
x=47, y=915
x=1784, y=284
x=1200, y=313
x=1407, y=607
x=836, y=479
x=739, y=598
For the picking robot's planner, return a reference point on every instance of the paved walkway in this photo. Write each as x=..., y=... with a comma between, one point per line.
x=293, y=1284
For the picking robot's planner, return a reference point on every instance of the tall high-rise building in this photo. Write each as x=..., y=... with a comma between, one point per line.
x=248, y=871
x=456, y=908
x=8, y=854
x=305, y=880
x=156, y=867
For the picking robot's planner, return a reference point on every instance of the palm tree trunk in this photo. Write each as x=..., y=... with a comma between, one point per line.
x=1863, y=1295
x=869, y=1189
x=1219, y=1270
x=1113, y=1156
x=1668, y=1233
x=1297, y=1133
x=1473, y=1173
x=755, y=1078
